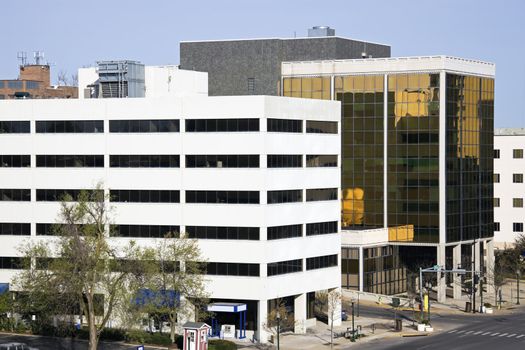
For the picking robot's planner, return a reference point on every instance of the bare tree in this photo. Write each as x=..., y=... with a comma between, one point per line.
x=62, y=78
x=496, y=279
x=332, y=301
x=279, y=318
x=74, y=79
x=79, y=269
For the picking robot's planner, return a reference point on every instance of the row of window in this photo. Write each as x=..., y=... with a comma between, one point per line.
x=223, y=232
x=283, y=267
x=15, y=229
x=145, y=231
x=54, y=195
x=15, y=194
x=517, y=153
x=516, y=178
x=516, y=227
x=222, y=161
x=321, y=194
x=168, y=125
x=284, y=196
x=287, y=231
x=168, y=161
x=231, y=269
x=70, y=161
x=223, y=197
x=145, y=196
x=320, y=262
x=321, y=228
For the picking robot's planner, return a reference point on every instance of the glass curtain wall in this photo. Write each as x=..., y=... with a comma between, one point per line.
x=469, y=157
x=362, y=101
x=413, y=157
x=307, y=87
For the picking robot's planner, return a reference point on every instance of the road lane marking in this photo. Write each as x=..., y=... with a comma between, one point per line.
x=502, y=335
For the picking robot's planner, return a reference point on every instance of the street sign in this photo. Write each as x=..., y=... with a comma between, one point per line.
x=437, y=267
x=140, y=347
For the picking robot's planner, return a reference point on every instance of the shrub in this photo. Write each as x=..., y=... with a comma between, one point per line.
x=221, y=344
x=488, y=305
x=113, y=334
x=142, y=337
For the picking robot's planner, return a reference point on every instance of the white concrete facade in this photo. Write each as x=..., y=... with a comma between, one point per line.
x=506, y=190
x=261, y=179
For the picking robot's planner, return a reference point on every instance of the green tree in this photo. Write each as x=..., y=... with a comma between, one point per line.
x=175, y=280
x=78, y=272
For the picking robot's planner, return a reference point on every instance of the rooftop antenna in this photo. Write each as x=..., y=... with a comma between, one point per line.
x=22, y=57
x=39, y=57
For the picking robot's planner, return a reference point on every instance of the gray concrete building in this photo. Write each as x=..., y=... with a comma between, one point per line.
x=253, y=66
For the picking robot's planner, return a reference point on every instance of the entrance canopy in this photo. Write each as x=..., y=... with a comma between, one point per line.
x=232, y=308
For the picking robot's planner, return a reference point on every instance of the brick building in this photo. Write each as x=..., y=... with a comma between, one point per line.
x=34, y=82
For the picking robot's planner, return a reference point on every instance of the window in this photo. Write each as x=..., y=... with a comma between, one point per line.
x=496, y=226
x=223, y=232
x=321, y=194
x=31, y=85
x=15, y=161
x=496, y=154
x=46, y=229
x=496, y=178
x=285, y=196
x=70, y=161
x=15, y=194
x=517, y=178
x=321, y=127
x=517, y=227
x=54, y=195
x=15, y=229
x=320, y=262
x=144, y=125
x=496, y=202
x=223, y=197
x=517, y=153
x=231, y=269
x=144, y=161
x=69, y=126
x=251, y=86
x=14, y=84
x=222, y=161
x=15, y=263
x=321, y=160
x=517, y=202
x=282, y=267
x=321, y=228
x=284, y=125
x=14, y=127
x=144, y=196
x=222, y=125
x=287, y=231
x=145, y=231
x=284, y=161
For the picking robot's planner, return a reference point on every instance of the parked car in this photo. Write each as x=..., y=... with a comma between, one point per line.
x=344, y=316
x=16, y=346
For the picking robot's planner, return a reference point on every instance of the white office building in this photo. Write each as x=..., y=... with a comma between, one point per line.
x=509, y=189
x=255, y=179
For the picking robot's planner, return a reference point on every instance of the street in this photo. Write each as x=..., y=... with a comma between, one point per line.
x=476, y=332
x=49, y=343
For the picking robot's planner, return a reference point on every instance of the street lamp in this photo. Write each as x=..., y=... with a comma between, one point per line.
x=278, y=328
x=518, y=286
x=353, y=329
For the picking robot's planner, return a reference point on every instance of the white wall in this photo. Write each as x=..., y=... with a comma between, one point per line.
x=260, y=179
x=506, y=190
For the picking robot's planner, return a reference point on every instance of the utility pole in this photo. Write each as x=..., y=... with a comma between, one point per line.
x=518, y=287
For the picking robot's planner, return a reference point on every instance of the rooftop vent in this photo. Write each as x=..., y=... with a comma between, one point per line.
x=318, y=31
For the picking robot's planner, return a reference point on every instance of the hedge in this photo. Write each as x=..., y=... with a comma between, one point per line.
x=221, y=344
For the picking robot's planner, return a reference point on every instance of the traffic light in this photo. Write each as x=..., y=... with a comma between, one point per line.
x=476, y=279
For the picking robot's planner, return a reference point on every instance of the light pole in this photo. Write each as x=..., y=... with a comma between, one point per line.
x=278, y=328
x=518, y=286
x=353, y=329
x=421, y=294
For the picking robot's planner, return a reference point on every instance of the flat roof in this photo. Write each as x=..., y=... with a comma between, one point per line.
x=389, y=64
x=509, y=132
x=298, y=38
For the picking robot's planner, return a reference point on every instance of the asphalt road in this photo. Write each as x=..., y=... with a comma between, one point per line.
x=49, y=343
x=464, y=332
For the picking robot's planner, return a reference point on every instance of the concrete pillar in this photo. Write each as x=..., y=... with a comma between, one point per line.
x=335, y=305
x=262, y=318
x=300, y=313
x=490, y=256
x=456, y=262
x=361, y=270
x=441, y=281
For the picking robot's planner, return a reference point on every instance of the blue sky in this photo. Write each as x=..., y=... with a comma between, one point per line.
x=76, y=33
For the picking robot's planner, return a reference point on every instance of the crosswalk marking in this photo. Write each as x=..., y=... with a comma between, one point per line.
x=454, y=331
x=461, y=331
x=510, y=336
x=519, y=336
x=477, y=333
x=502, y=335
x=469, y=332
x=493, y=334
x=486, y=333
